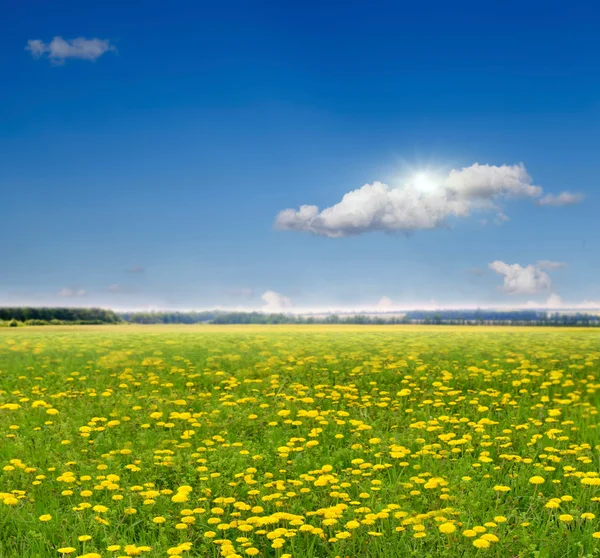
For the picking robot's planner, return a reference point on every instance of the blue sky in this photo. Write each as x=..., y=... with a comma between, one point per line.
x=147, y=152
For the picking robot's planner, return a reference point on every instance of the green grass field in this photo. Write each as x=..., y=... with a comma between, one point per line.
x=300, y=441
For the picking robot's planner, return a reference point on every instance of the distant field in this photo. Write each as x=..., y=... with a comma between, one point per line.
x=299, y=441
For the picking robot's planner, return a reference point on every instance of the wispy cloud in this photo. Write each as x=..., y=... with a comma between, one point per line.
x=58, y=49
x=419, y=206
x=564, y=198
x=547, y=264
x=117, y=288
x=136, y=269
x=69, y=292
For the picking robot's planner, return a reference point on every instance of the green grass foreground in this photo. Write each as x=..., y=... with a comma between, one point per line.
x=299, y=441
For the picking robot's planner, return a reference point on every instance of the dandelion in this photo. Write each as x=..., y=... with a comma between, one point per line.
x=447, y=528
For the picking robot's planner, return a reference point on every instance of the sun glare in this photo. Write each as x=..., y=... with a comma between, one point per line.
x=424, y=182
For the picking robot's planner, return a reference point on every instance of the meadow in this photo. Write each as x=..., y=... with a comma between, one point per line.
x=299, y=441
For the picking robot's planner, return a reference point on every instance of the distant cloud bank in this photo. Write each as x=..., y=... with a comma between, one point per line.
x=58, y=49
x=422, y=203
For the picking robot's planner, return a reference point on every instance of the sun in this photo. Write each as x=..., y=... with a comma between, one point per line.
x=424, y=182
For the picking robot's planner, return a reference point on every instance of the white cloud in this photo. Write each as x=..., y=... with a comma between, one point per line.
x=554, y=301
x=589, y=304
x=59, y=49
x=36, y=47
x=423, y=203
x=275, y=302
x=564, y=198
x=522, y=280
x=501, y=218
x=375, y=207
x=489, y=181
x=384, y=303
x=547, y=264
x=71, y=293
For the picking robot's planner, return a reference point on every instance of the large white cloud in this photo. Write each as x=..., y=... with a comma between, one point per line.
x=522, y=280
x=376, y=207
x=379, y=207
x=59, y=49
x=275, y=302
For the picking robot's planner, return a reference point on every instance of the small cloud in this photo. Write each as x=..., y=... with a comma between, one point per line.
x=59, y=49
x=68, y=292
x=521, y=280
x=135, y=269
x=242, y=292
x=384, y=303
x=36, y=47
x=564, y=198
x=554, y=301
x=501, y=218
x=547, y=264
x=275, y=302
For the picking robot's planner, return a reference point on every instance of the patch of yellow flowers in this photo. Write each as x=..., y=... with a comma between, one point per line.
x=297, y=442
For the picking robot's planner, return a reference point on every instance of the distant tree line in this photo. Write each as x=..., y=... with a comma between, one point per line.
x=169, y=317
x=56, y=316
x=449, y=317
x=502, y=317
